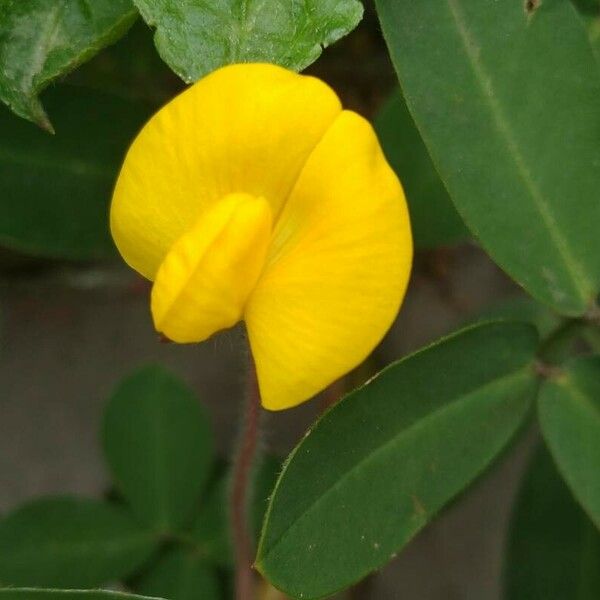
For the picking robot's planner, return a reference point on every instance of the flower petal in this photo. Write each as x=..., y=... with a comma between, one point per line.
x=204, y=282
x=245, y=128
x=337, y=271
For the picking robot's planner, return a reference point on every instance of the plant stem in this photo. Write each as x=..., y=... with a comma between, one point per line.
x=242, y=472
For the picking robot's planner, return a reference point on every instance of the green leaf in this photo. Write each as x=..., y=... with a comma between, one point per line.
x=41, y=40
x=38, y=594
x=590, y=11
x=159, y=445
x=56, y=190
x=195, y=37
x=569, y=412
x=587, y=7
x=71, y=543
x=211, y=531
x=132, y=69
x=525, y=309
x=433, y=217
x=510, y=118
x=265, y=478
x=554, y=549
x=381, y=464
x=592, y=337
x=180, y=574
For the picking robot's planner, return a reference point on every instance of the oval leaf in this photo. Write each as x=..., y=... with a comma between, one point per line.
x=195, y=37
x=71, y=543
x=569, y=411
x=159, y=445
x=433, y=217
x=55, y=190
x=554, y=549
x=38, y=594
x=511, y=119
x=379, y=466
x=180, y=575
x=43, y=39
x=521, y=308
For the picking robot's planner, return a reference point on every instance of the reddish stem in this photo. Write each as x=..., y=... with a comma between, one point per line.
x=242, y=472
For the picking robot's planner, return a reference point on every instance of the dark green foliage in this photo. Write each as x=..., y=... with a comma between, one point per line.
x=433, y=218
x=378, y=467
x=55, y=190
x=511, y=118
x=158, y=444
x=554, y=549
x=569, y=413
x=71, y=543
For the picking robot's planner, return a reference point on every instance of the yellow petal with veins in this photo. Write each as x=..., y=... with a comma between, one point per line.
x=244, y=128
x=337, y=268
x=204, y=282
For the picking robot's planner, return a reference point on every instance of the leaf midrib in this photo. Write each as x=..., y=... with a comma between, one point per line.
x=582, y=281
x=40, y=50
x=380, y=449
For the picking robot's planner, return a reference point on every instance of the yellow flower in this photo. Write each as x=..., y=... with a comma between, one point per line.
x=253, y=196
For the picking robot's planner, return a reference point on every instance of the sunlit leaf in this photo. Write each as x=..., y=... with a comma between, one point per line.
x=194, y=37
x=43, y=39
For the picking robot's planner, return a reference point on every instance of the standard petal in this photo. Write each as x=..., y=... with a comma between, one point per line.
x=245, y=128
x=337, y=271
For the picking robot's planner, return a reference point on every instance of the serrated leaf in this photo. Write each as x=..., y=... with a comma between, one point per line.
x=180, y=574
x=41, y=594
x=195, y=37
x=71, y=543
x=433, y=218
x=569, y=412
x=380, y=464
x=510, y=118
x=159, y=446
x=56, y=190
x=554, y=549
x=41, y=40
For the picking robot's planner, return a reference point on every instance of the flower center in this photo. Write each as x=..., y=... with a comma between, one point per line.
x=204, y=281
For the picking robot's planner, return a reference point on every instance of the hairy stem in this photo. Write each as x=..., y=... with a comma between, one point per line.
x=242, y=472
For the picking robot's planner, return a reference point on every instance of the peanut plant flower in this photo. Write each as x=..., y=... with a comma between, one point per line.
x=253, y=196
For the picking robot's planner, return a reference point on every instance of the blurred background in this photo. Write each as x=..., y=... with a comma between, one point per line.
x=71, y=330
